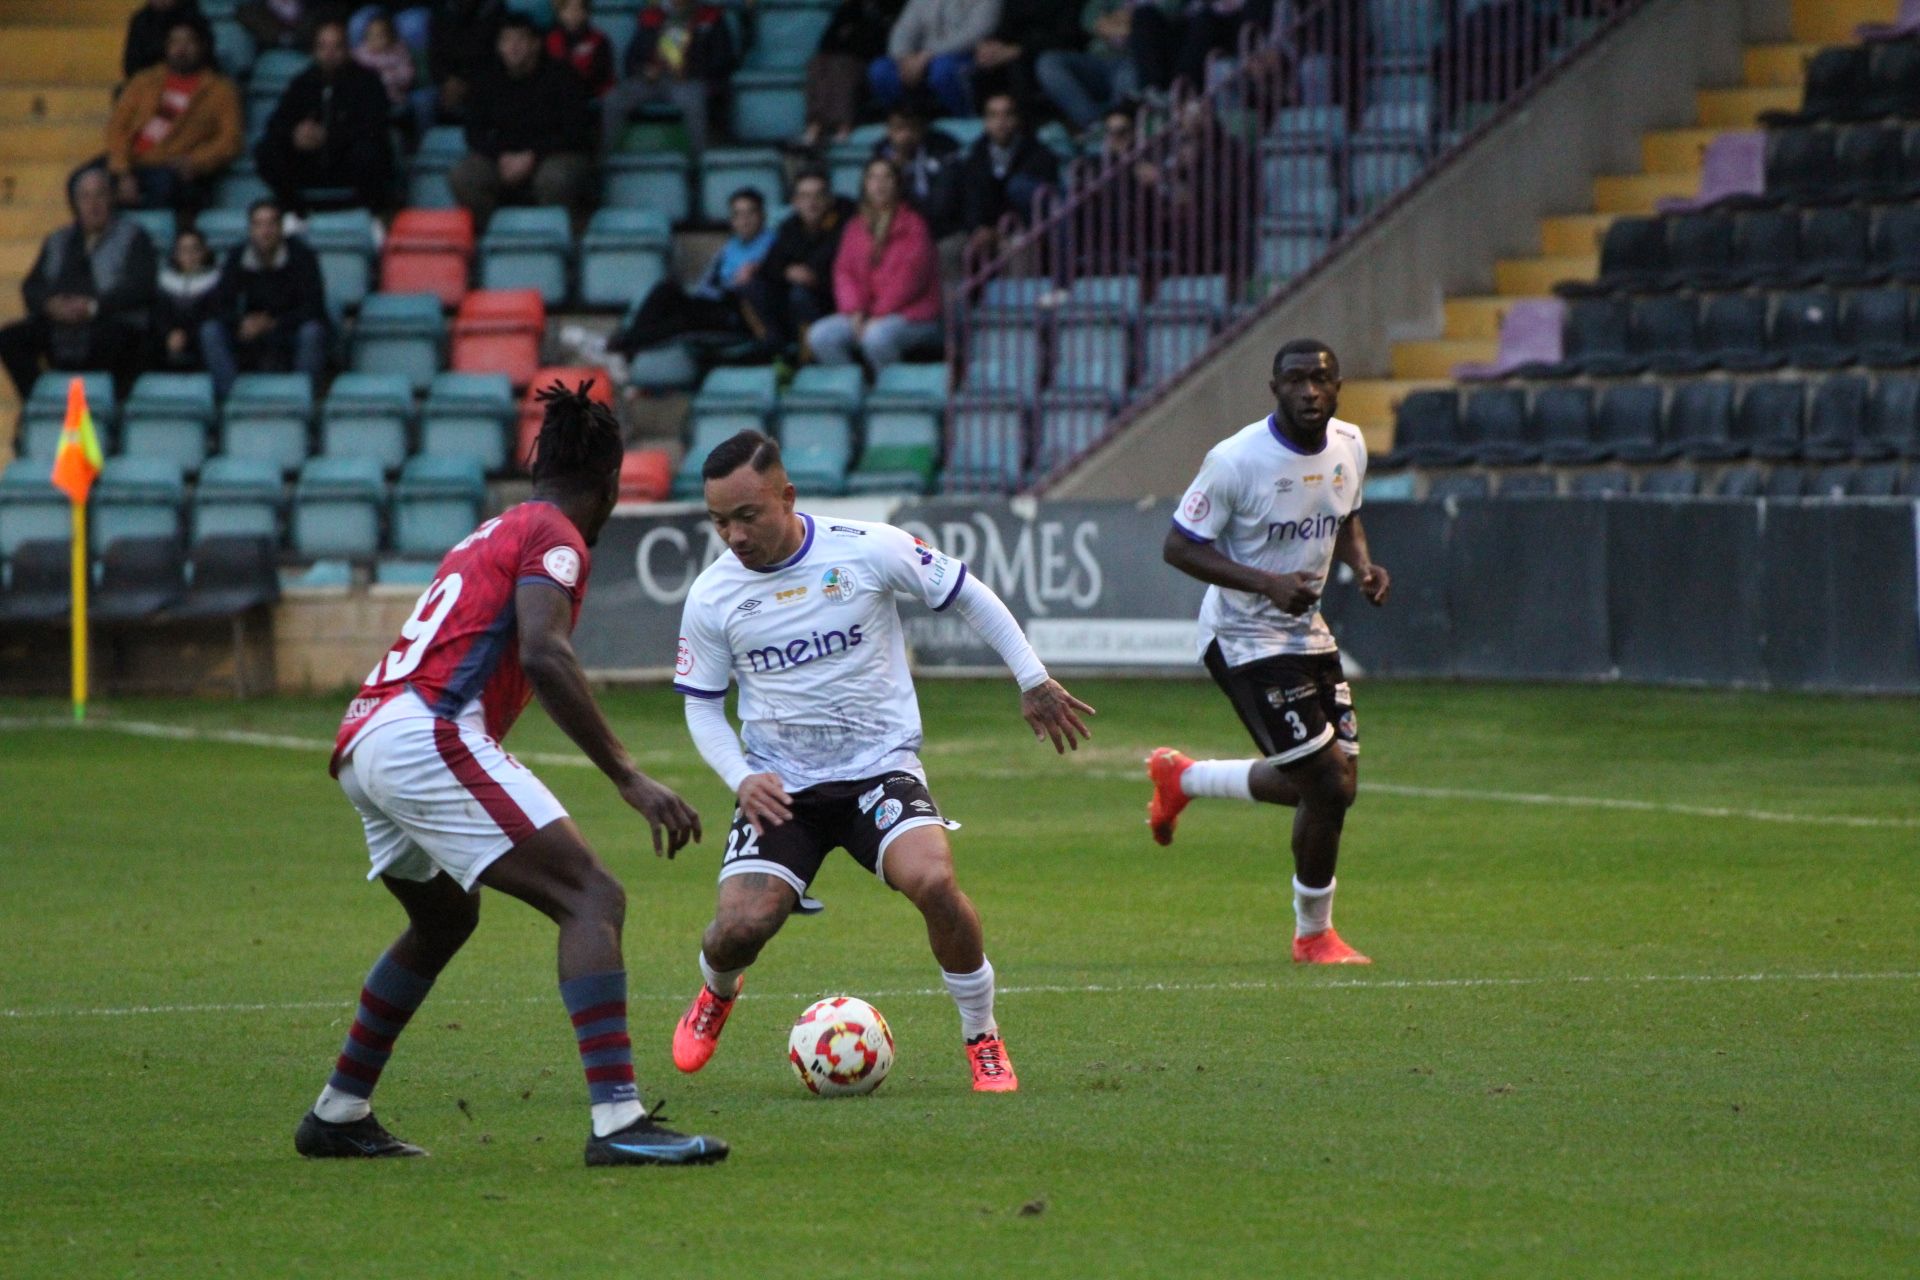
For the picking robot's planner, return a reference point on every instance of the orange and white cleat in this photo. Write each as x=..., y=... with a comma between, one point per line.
x=992, y=1069
x=698, y=1033
x=1165, y=766
x=1325, y=947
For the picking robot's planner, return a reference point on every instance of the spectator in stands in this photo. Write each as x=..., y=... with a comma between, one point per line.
x=87, y=294
x=529, y=131
x=1171, y=42
x=1004, y=62
x=329, y=131
x=461, y=44
x=1201, y=191
x=930, y=52
x=382, y=52
x=793, y=287
x=713, y=305
x=268, y=312
x=577, y=43
x=284, y=24
x=856, y=34
x=928, y=161
x=174, y=126
x=1084, y=83
x=184, y=302
x=1001, y=173
x=682, y=54
x=886, y=279
x=147, y=33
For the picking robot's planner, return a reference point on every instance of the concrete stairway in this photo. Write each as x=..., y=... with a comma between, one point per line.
x=1570, y=243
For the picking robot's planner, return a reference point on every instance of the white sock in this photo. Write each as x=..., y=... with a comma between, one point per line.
x=724, y=983
x=611, y=1116
x=336, y=1107
x=1219, y=779
x=973, y=992
x=1312, y=908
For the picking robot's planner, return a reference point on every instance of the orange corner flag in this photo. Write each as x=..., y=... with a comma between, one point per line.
x=78, y=460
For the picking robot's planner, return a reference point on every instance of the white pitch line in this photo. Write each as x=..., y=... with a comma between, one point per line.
x=1304, y=985
x=552, y=759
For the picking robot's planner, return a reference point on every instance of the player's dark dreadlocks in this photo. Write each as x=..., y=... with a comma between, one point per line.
x=579, y=441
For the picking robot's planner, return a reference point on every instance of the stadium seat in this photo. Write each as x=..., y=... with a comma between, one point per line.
x=847, y=160
x=428, y=251
x=986, y=444
x=1181, y=295
x=725, y=170
x=668, y=367
x=139, y=576
x=227, y=576
x=786, y=34
x=1869, y=163
x=1633, y=255
x=1471, y=485
x=1835, y=418
x=1563, y=424
x=1597, y=342
x=345, y=244
x=624, y=253
x=1893, y=419
x=466, y=415
x=1875, y=328
x=44, y=415
x=1604, y=482
x=399, y=333
x=31, y=509
x=1806, y=329
x=39, y=588
x=137, y=497
x=223, y=228
x=1747, y=481
x=817, y=447
x=1766, y=245
x=238, y=497
x=1772, y=419
x=1786, y=482
x=707, y=431
x=1171, y=342
x=1626, y=423
x=238, y=188
x=233, y=48
x=1093, y=356
x=160, y=226
x=1670, y=482
x=1733, y=333
x=1896, y=236
x=1101, y=297
x=528, y=249
x=336, y=508
x=1426, y=431
x=440, y=149
x=436, y=504
x=1834, y=248
x=167, y=415
x=268, y=416
x=1878, y=480
x=749, y=389
x=366, y=415
x=1801, y=168
x=1003, y=358
x=818, y=386
x=901, y=453
x=1663, y=333
x=1893, y=81
x=1070, y=423
x=1528, y=484
x=769, y=105
x=1700, y=252
x=1838, y=79
x=1493, y=425
x=646, y=475
x=1700, y=421
x=651, y=181
x=500, y=331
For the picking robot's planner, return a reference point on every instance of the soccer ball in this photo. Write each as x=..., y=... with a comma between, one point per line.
x=840, y=1046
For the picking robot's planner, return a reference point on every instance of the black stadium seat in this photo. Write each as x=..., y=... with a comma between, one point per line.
x=1893, y=420
x=1700, y=252
x=1833, y=248
x=1877, y=480
x=1633, y=255
x=138, y=578
x=1806, y=329
x=1426, y=431
x=1772, y=419
x=41, y=586
x=1786, y=482
x=1838, y=79
x=1700, y=421
x=1893, y=82
x=1627, y=423
x=1740, y=482
x=1800, y=166
x=1869, y=163
x=230, y=576
x=1896, y=241
x=1766, y=244
x=1493, y=425
x=1876, y=324
x=1563, y=424
x=1834, y=420
x=1460, y=484
x=1596, y=339
x=1664, y=333
x=1527, y=484
x=1671, y=482
x=1733, y=333
x=1604, y=483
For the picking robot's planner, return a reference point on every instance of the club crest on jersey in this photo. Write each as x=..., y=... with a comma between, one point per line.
x=872, y=797
x=1339, y=477
x=564, y=564
x=683, y=658
x=1196, y=506
x=748, y=606
x=887, y=814
x=837, y=584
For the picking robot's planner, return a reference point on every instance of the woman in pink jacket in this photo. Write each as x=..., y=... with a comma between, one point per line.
x=886, y=279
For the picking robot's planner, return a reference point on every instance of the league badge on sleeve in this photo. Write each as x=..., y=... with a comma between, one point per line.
x=564, y=564
x=683, y=658
x=1196, y=506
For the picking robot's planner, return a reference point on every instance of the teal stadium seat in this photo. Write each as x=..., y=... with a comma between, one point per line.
x=467, y=416
x=440, y=149
x=44, y=415
x=238, y=497
x=31, y=509
x=986, y=448
x=768, y=105
x=904, y=412
x=816, y=446
x=528, y=249
x=344, y=243
x=367, y=415
x=752, y=389
x=624, y=253
x=224, y=228
x=401, y=333
x=167, y=415
x=1092, y=357
x=820, y=386
x=668, y=367
x=436, y=503
x=787, y=33
x=269, y=416
x=1070, y=422
x=709, y=429
x=653, y=180
x=137, y=498
x=728, y=169
x=847, y=161
x=337, y=507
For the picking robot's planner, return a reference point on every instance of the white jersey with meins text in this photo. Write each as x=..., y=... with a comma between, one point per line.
x=1265, y=504
x=816, y=646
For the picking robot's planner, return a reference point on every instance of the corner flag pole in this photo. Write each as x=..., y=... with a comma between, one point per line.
x=75, y=465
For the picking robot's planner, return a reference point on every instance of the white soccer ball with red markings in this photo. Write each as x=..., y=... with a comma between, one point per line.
x=841, y=1046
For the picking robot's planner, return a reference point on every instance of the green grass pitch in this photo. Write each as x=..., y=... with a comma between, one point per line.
x=1672, y=1038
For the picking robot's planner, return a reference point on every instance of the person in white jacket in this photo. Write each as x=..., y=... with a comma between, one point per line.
x=931, y=52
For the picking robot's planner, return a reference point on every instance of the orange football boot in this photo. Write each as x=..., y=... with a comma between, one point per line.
x=1165, y=766
x=992, y=1069
x=1325, y=947
x=698, y=1033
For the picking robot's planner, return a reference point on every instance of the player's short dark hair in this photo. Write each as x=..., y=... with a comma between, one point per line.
x=750, y=194
x=1304, y=347
x=748, y=448
x=579, y=443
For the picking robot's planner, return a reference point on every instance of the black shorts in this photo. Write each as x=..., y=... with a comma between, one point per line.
x=861, y=817
x=1292, y=704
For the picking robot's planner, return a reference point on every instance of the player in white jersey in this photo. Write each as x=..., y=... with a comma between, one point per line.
x=801, y=614
x=1274, y=505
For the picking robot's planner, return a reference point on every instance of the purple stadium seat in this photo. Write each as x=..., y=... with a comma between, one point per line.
x=1530, y=334
x=1902, y=27
x=1734, y=165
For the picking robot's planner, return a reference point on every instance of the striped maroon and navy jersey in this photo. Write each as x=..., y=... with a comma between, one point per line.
x=462, y=645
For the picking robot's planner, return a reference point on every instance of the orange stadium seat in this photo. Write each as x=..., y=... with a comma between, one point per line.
x=428, y=251
x=499, y=331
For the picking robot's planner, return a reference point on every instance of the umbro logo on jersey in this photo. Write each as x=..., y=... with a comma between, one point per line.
x=1283, y=485
x=748, y=606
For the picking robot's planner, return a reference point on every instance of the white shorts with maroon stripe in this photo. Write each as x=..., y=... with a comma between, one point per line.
x=439, y=795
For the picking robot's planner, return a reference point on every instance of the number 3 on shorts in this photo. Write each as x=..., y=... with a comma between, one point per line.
x=1299, y=729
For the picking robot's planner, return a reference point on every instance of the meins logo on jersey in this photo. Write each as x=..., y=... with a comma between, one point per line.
x=1320, y=526
x=797, y=653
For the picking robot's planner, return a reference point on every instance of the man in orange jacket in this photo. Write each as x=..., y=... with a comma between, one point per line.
x=175, y=125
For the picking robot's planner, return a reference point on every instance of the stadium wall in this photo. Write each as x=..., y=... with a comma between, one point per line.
x=1444, y=237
